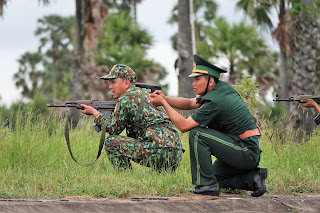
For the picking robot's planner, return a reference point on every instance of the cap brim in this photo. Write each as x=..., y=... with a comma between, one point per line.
x=107, y=77
x=195, y=74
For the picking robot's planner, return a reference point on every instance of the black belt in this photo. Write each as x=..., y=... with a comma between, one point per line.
x=160, y=125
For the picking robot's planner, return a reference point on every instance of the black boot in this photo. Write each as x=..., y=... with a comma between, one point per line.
x=212, y=190
x=259, y=177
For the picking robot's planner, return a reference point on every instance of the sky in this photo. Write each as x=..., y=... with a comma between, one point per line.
x=19, y=23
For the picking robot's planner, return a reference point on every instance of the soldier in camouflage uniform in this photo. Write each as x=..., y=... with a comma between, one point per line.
x=151, y=140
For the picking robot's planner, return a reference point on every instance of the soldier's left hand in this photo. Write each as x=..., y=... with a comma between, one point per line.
x=308, y=103
x=89, y=110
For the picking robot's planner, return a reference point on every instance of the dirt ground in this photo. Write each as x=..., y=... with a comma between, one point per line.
x=224, y=203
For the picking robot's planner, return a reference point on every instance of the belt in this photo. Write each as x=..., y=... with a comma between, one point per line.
x=161, y=125
x=250, y=133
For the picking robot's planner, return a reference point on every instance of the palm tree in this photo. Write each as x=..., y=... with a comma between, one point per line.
x=259, y=11
x=95, y=14
x=127, y=48
x=204, y=13
x=186, y=47
x=56, y=32
x=135, y=2
x=187, y=42
x=2, y=4
x=50, y=66
x=238, y=43
x=305, y=54
x=129, y=6
x=89, y=32
x=29, y=75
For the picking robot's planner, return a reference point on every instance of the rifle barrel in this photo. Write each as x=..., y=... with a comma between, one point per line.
x=53, y=105
x=286, y=99
x=94, y=104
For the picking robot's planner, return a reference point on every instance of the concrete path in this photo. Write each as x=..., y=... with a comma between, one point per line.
x=224, y=203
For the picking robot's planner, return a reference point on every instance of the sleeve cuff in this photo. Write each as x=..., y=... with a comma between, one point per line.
x=97, y=119
x=317, y=119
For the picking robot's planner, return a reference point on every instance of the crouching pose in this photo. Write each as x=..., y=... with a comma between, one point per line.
x=222, y=126
x=151, y=140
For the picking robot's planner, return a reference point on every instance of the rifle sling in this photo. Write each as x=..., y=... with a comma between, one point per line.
x=66, y=134
x=66, y=130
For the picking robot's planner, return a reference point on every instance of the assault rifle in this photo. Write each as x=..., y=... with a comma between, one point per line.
x=299, y=98
x=107, y=106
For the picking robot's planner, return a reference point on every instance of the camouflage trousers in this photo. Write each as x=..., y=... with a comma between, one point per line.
x=121, y=150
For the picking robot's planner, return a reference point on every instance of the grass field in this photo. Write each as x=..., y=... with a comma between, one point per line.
x=35, y=163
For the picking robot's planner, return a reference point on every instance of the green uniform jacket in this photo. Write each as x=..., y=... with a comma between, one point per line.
x=141, y=120
x=224, y=110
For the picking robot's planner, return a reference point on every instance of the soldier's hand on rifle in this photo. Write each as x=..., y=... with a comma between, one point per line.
x=89, y=110
x=308, y=103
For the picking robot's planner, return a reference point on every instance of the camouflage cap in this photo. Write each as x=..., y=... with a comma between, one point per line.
x=202, y=67
x=121, y=71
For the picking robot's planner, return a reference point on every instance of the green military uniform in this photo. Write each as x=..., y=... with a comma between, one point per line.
x=151, y=137
x=222, y=116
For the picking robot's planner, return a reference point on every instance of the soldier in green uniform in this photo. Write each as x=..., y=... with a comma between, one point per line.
x=222, y=126
x=151, y=140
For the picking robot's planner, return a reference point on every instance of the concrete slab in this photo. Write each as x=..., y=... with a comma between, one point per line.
x=266, y=203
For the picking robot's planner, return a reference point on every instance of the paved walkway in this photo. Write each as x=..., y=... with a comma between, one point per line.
x=224, y=203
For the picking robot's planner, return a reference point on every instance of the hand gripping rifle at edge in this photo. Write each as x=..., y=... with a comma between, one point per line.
x=108, y=106
x=303, y=99
x=299, y=98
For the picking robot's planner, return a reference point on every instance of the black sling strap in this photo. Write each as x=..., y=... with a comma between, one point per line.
x=102, y=137
x=66, y=134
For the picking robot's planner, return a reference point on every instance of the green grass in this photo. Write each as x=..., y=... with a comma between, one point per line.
x=35, y=163
x=293, y=166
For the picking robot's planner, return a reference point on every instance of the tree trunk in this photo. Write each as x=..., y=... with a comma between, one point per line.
x=281, y=35
x=2, y=4
x=95, y=13
x=186, y=47
x=232, y=74
x=283, y=73
x=304, y=45
x=76, y=72
x=135, y=11
x=283, y=43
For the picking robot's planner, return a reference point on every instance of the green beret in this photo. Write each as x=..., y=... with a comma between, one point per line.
x=202, y=67
x=121, y=71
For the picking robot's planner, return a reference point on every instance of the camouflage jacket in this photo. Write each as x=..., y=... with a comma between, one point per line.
x=141, y=120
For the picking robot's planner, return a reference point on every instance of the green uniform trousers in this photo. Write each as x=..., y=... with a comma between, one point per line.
x=121, y=150
x=235, y=163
